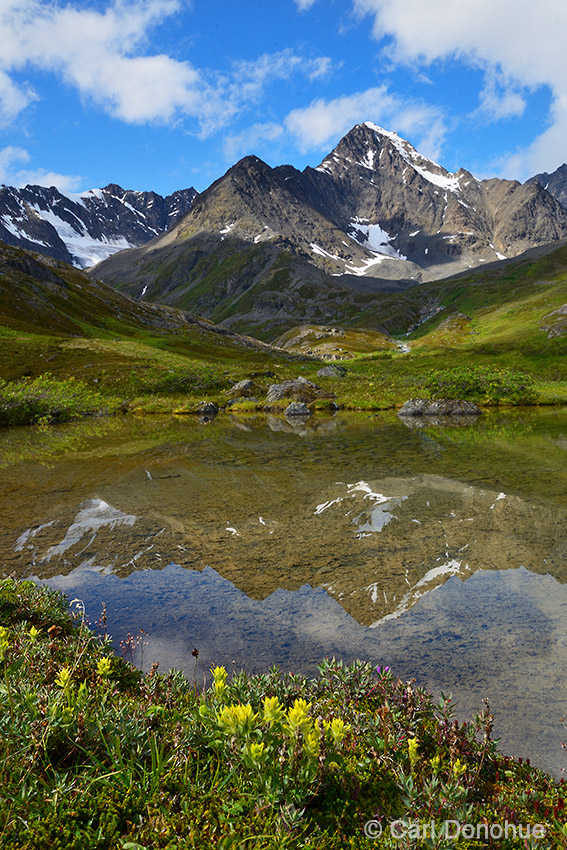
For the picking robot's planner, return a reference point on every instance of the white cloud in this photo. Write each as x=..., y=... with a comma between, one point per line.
x=318, y=68
x=101, y=54
x=323, y=122
x=13, y=99
x=251, y=78
x=106, y=57
x=523, y=40
x=251, y=139
x=304, y=5
x=8, y=156
x=499, y=99
x=11, y=174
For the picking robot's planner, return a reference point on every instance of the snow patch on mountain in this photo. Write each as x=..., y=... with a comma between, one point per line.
x=368, y=160
x=84, y=248
x=374, y=238
x=322, y=253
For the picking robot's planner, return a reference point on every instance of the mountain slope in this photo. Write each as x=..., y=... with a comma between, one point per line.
x=47, y=297
x=86, y=228
x=375, y=206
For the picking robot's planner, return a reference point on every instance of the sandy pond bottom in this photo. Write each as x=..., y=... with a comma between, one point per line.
x=441, y=552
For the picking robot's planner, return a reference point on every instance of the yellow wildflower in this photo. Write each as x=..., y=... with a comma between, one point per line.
x=219, y=681
x=63, y=678
x=273, y=712
x=255, y=752
x=104, y=667
x=33, y=634
x=311, y=742
x=4, y=642
x=298, y=718
x=459, y=768
x=412, y=751
x=237, y=719
x=337, y=729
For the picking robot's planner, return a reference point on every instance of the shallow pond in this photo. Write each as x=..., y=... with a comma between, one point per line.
x=440, y=550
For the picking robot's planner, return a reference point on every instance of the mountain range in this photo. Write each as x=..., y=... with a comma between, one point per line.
x=264, y=249
x=83, y=229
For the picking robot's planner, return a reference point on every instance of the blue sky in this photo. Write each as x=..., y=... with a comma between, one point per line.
x=164, y=94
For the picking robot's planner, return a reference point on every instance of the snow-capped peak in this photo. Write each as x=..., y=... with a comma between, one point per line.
x=430, y=170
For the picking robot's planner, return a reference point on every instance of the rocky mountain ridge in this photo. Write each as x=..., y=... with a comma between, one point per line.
x=265, y=247
x=375, y=207
x=83, y=229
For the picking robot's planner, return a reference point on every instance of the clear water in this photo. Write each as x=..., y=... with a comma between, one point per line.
x=440, y=551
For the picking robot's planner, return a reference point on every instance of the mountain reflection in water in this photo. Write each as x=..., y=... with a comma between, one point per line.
x=283, y=544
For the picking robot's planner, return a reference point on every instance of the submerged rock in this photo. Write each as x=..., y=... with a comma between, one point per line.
x=439, y=407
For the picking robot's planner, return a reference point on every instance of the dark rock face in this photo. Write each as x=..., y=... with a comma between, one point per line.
x=85, y=228
x=440, y=407
x=332, y=372
x=299, y=389
x=555, y=183
x=297, y=408
x=208, y=409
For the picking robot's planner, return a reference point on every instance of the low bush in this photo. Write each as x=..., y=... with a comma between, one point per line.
x=480, y=383
x=47, y=399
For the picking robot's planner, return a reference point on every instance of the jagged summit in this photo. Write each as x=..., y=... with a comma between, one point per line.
x=375, y=207
x=372, y=146
x=375, y=214
x=262, y=244
x=84, y=228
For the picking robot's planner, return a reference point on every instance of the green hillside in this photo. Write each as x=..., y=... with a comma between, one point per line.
x=119, y=353
x=71, y=345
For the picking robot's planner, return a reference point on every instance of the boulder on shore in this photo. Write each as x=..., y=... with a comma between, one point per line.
x=299, y=389
x=439, y=407
x=332, y=372
x=245, y=389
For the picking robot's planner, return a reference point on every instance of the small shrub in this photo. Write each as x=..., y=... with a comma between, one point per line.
x=46, y=399
x=480, y=383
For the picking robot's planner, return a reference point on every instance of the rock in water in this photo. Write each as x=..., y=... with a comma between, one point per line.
x=297, y=408
x=207, y=408
x=439, y=407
